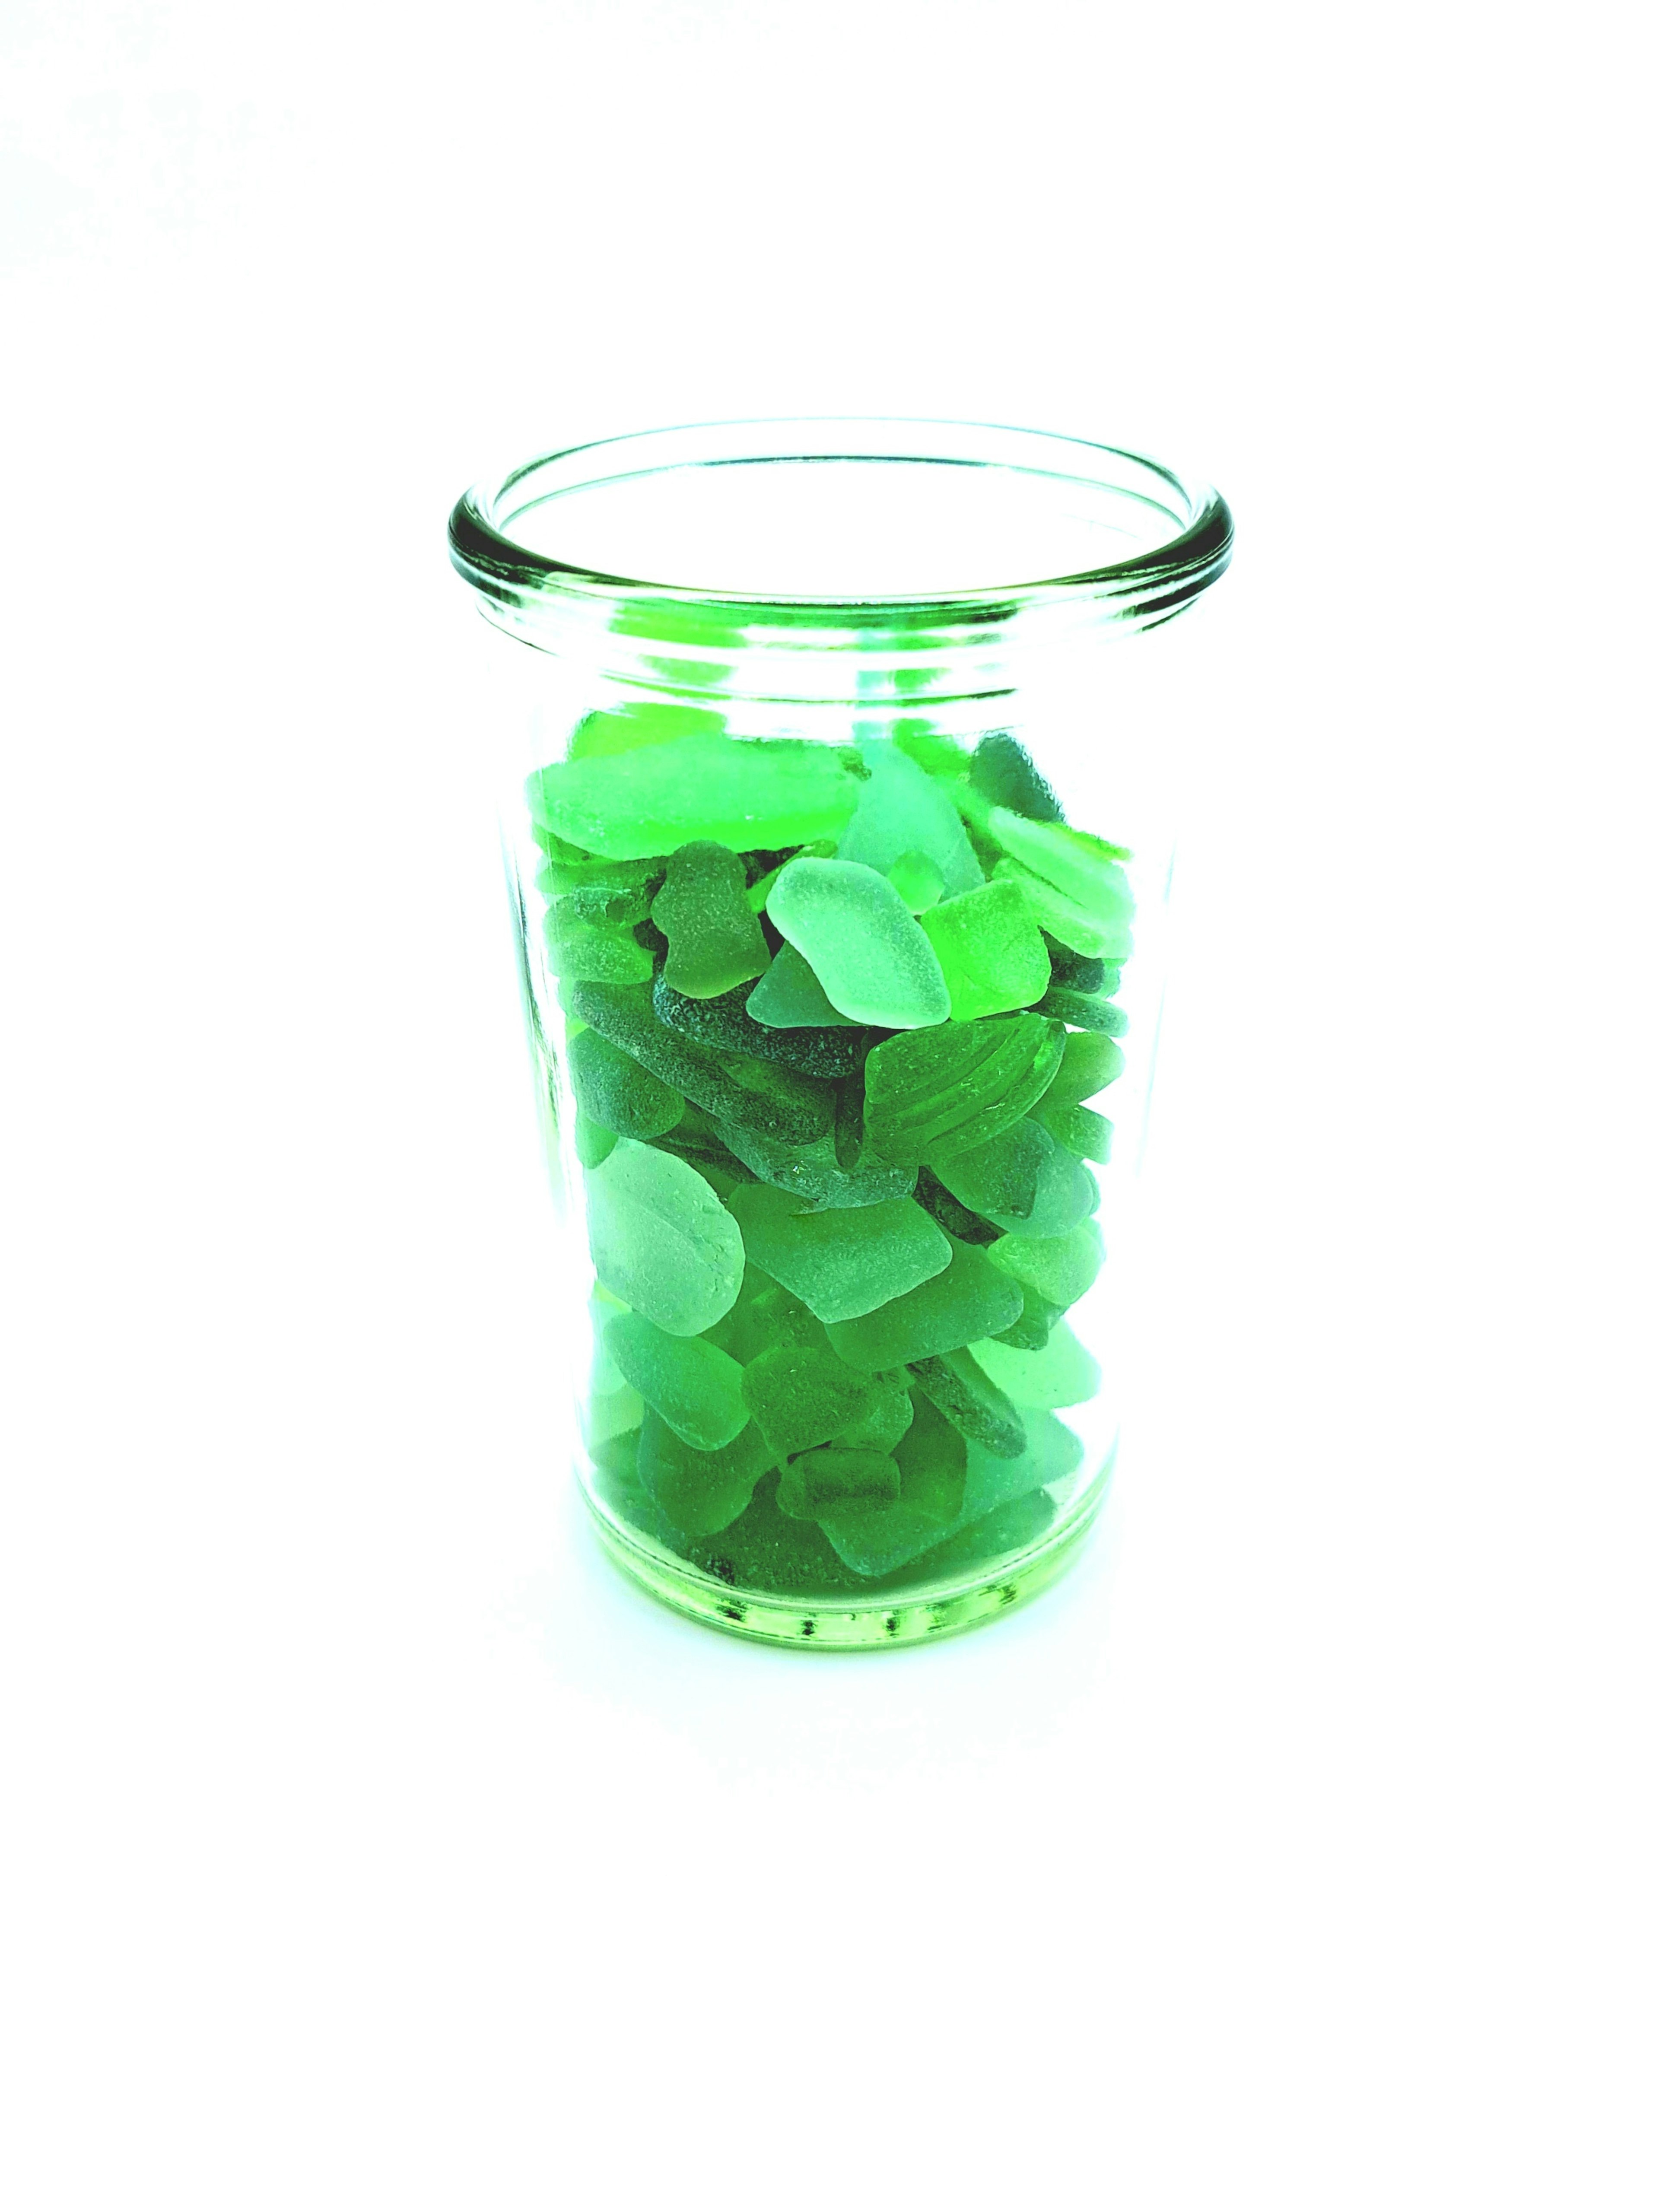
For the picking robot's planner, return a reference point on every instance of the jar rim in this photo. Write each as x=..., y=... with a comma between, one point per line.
x=1149, y=584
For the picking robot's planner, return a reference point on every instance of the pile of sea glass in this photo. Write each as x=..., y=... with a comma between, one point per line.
x=834, y=1012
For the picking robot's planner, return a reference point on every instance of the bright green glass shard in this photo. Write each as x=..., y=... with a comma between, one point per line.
x=844, y=1262
x=990, y=949
x=765, y=1315
x=660, y=1240
x=615, y=1091
x=971, y=1401
x=1081, y=928
x=1089, y=1065
x=1083, y=868
x=830, y=1480
x=917, y=880
x=801, y=1396
x=643, y=722
x=1005, y=775
x=584, y=951
x=699, y=1492
x=778, y=1102
x=762, y=794
x=1083, y=1133
x=1084, y=1010
x=1058, y=1268
x=861, y=942
x=714, y=942
x=814, y=1173
x=949, y=1089
x=697, y=1387
x=1023, y=1181
x=593, y=1142
x=789, y=996
x=1059, y=1373
x=901, y=810
x=967, y=1299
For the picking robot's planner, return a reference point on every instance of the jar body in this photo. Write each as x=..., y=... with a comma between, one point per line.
x=843, y=1012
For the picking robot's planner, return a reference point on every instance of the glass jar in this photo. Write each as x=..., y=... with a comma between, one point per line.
x=839, y=853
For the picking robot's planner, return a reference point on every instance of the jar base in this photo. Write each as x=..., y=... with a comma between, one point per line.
x=878, y=1623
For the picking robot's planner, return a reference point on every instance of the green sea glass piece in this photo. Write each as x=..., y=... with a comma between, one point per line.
x=661, y=1241
x=1089, y=1063
x=1084, y=1012
x=593, y=1142
x=861, y=942
x=764, y=1315
x=697, y=1387
x=615, y=1091
x=919, y=881
x=844, y=1262
x=967, y=1299
x=766, y=793
x=1057, y=1373
x=1022, y=1180
x=725, y=1025
x=990, y=949
x=878, y=1539
x=949, y=1089
x=801, y=1395
x=951, y=1215
x=971, y=1401
x=901, y=810
x=1005, y=775
x=1060, y=917
x=885, y=1419
x=1058, y=1268
x=714, y=942
x=642, y=722
x=789, y=996
x=814, y=1173
x=1072, y=972
x=827, y=1480
x=1032, y=1330
x=699, y=1492
x=1083, y=1133
x=584, y=951
x=776, y=1102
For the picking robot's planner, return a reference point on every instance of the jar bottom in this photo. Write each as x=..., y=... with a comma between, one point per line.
x=853, y=1621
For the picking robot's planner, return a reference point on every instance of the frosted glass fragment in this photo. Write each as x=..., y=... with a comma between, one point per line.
x=1023, y=1181
x=1076, y=927
x=789, y=996
x=725, y=1025
x=769, y=793
x=714, y=942
x=951, y=1215
x=699, y=1492
x=949, y=1089
x=1005, y=775
x=885, y=1419
x=779, y=1102
x=990, y=950
x=614, y=1090
x=971, y=1401
x=1084, y=1011
x=1059, y=1373
x=660, y=1239
x=593, y=952
x=918, y=881
x=969, y=1299
x=642, y=722
x=844, y=1262
x=1083, y=1133
x=1088, y=1064
x=802, y=1394
x=1058, y=1268
x=826, y=1480
x=861, y=942
x=697, y=1387
x=814, y=1173
x=901, y=810
x=1083, y=868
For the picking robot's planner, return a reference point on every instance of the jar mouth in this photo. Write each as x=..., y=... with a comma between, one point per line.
x=839, y=513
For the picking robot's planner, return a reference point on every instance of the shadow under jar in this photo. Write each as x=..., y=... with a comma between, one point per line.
x=839, y=866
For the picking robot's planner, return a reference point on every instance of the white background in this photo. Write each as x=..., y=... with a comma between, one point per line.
x=370, y=1843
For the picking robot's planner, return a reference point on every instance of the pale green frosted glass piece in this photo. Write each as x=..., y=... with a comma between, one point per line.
x=1084, y=868
x=789, y=996
x=1084, y=929
x=699, y=1492
x=695, y=1387
x=901, y=810
x=1058, y=1268
x=642, y=722
x=861, y=942
x=845, y=1263
x=1060, y=1373
x=970, y=1298
x=714, y=941
x=917, y=880
x=660, y=1239
x=768, y=792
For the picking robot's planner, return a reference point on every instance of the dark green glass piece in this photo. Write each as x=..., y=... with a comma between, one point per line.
x=1084, y=1012
x=776, y=1102
x=725, y=1025
x=1003, y=774
x=612, y=1088
x=959, y=1386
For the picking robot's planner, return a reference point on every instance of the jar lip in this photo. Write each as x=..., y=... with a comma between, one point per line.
x=1149, y=584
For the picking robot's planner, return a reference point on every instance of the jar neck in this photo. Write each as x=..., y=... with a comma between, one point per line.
x=927, y=494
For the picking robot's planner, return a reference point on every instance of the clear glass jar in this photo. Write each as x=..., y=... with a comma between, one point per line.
x=838, y=866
